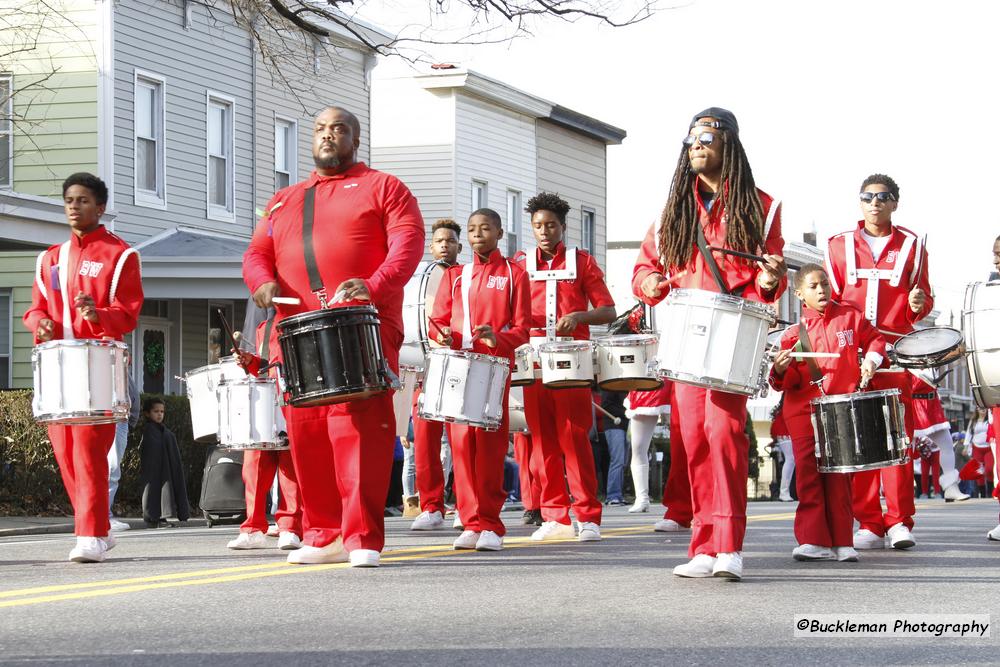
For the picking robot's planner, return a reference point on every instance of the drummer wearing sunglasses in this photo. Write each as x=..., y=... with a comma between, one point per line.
x=881, y=268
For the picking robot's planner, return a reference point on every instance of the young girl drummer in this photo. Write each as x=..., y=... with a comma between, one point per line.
x=823, y=521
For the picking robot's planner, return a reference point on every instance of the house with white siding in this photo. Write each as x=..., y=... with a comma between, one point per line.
x=172, y=103
x=462, y=141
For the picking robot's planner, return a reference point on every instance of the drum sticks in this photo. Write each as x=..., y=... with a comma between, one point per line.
x=616, y=420
x=750, y=256
x=229, y=329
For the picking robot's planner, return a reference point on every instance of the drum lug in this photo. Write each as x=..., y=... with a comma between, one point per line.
x=854, y=423
x=826, y=432
x=812, y=418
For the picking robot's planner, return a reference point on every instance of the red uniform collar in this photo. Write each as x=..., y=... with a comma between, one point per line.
x=810, y=314
x=495, y=257
x=99, y=234
x=560, y=252
x=860, y=230
x=356, y=169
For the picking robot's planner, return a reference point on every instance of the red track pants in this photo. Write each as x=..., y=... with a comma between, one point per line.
x=559, y=420
x=259, y=468
x=677, y=488
x=824, y=517
x=82, y=454
x=713, y=427
x=427, y=459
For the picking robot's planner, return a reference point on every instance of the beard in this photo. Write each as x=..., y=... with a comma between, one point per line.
x=326, y=160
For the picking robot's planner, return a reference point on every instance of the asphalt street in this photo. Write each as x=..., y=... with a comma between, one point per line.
x=178, y=597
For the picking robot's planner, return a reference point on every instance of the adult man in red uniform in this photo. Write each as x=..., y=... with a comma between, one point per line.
x=427, y=435
x=88, y=287
x=368, y=236
x=564, y=282
x=713, y=190
x=881, y=269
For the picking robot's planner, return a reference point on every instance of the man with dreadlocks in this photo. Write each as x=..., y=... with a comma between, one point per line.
x=713, y=190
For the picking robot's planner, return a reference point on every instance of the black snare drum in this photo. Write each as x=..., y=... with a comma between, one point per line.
x=929, y=348
x=862, y=431
x=332, y=355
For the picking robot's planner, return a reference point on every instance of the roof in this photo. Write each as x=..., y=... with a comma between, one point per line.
x=190, y=263
x=191, y=243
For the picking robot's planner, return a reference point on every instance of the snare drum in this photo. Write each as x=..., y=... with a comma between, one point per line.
x=332, y=355
x=628, y=362
x=566, y=365
x=981, y=326
x=929, y=348
x=201, y=385
x=80, y=382
x=713, y=340
x=523, y=372
x=516, y=421
x=861, y=431
x=463, y=387
x=249, y=416
x=418, y=302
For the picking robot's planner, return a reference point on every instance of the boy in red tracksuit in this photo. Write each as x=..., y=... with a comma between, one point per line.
x=823, y=519
x=565, y=283
x=260, y=466
x=88, y=287
x=484, y=307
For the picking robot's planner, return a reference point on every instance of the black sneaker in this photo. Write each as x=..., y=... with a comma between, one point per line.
x=537, y=517
x=528, y=518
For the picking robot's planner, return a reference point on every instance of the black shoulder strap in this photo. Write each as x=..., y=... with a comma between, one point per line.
x=710, y=261
x=814, y=371
x=265, y=345
x=308, y=215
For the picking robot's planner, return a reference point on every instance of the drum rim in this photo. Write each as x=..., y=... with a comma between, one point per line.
x=915, y=335
x=850, y=398
x=903, y=460
x=707, y=382
x=620, y=340
x=466, y=354
x=678, y=296
x=80, y=342
x=320, y=313
x=250, y=379
x=553, y=346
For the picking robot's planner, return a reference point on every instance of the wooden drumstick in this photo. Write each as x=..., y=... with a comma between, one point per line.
x=750, y=256
x=287, y=300
x=616, y=420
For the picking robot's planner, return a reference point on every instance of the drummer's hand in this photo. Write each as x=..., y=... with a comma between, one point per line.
x=354, y=289
x=84, y=304
x=652, y=286
x=243, y=358
x=567, y=324
x=263, y=294
x=917, y=299
x=45, y=329
x=484, y=332
x=444, y=337
x=782, y=361
x=867, y=372
x=771, y=272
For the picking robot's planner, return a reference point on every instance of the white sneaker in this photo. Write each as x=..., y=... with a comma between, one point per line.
x=668, y=526
x=252, y=540
x=457, y=523
x=289, y=541
x=589, y=532
x=729, y=566
x=953, y=493
x=273, y=530
x=118, y=526
x=553, y=530
x=900, y=537
x=364, y=558
x=428, y=521
x=845, y=554
x=467, y=540
x=701, y=565
x=88, y=550
x=994, y=535
x=641, y=505
x=331, y=553
x=866, y=539
x=811, y=552
x=109, y=541
x=489, y=541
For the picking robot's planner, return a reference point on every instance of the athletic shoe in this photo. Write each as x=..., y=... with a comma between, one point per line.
x=252, y=540
x=489, y=541
x=866, y=539
x=331, y=553
x=273, y=530
x=88, y=550
x=118, y=526
x=467, y=540
x=994, y=535
x=900, y=537
x=700, y=566
x=109, y=541
x=845, y=554
x=811, y=552
x=729, y=566
x=668, y=526
x=617, y=502
x=289, y=541
x=589, y=532
x=364, y=558
x=553, y=530
x=457, y=523
x=428, y=521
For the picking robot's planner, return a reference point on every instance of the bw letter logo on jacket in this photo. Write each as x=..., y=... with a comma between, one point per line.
x=497, y=282
x=91, y=269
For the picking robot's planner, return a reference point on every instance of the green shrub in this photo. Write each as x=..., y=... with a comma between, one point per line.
x=30, y=483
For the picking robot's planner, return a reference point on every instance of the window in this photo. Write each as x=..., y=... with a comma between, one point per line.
x=284, y=153
x=149, y=141
x=6, y=131
x=513, y=221
x=220, y=157
x=479, y=195
x=6, y=324
x=589, y=218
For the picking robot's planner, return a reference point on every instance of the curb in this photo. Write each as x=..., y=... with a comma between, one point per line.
x=67, y=528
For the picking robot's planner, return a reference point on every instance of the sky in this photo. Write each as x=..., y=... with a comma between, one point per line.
x=825, y=94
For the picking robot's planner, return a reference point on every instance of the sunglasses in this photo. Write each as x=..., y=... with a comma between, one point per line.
x=705, y=139
x=883, y=197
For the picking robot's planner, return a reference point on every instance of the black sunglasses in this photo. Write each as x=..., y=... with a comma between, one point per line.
x=883, y=197
x=705, y=139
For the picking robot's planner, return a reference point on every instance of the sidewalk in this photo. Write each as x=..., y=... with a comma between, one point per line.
x=43, y=525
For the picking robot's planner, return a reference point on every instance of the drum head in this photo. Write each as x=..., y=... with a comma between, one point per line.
x=931, y=340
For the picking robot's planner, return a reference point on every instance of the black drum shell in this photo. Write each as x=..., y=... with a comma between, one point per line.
x=332, y=355
x=869, y=441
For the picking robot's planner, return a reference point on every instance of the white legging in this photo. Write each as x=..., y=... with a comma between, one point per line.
x=788, y=467
x=641, y=433
x=942, y=439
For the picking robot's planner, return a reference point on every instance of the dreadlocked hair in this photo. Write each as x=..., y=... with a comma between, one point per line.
x=741, y=205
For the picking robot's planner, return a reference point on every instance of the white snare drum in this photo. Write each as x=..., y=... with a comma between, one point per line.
x=402, y=399
x=80, y=382
x=418, y=302
x=464, y=388
x=516, y=421
x=628, y=362
x=981, y=328
x=524, y=366
x=201, y=384
x=714, y=340
x=566, y=365
x=249, y=417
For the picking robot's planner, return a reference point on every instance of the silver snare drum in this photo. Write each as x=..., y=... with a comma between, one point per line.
x=249, y=416
x=463, y=387
x=80, y=382
x=861, y=431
